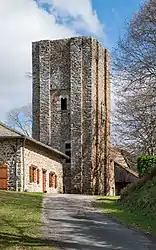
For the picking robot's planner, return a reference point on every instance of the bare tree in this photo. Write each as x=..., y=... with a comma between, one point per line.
x=135, y=56
x=135, y=71
x=21, y=119
x=135, y=123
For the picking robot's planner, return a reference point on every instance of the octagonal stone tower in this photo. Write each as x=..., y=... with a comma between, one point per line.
x=71, y=109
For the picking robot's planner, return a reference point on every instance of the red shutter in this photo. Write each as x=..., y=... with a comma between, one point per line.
x=30, y=174
x=50, y=181
x=55, y=181
x=3, y=177
x=38, y=176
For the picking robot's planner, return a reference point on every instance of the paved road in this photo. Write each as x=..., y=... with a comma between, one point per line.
x=71, y=222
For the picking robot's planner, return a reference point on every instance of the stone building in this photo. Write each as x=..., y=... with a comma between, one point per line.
x=123, y=171
x=29, y=165
x=71, y=109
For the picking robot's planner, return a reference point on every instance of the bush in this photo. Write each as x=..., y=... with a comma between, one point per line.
x=138, y=184
x=145, y=164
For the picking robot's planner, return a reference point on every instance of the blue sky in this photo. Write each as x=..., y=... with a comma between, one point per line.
x=113, y=14
x=25, y=21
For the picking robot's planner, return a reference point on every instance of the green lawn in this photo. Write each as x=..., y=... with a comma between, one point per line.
x=137, y=219
x=20, y=221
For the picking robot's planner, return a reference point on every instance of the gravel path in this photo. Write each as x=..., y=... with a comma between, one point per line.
x=70, y=222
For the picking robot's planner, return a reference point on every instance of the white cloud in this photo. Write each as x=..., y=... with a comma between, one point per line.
x=84, y=17
x=21, y=22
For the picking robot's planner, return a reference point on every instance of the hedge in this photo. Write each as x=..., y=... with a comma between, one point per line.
x=145, y=164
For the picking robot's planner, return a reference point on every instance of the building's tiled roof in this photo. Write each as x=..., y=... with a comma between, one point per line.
x=9, y=133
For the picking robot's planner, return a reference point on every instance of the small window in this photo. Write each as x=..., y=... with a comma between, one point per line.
x=68, y=151
x=32, y=174
x=51, y=179
x=55, y=181
x=69, y=154
x=63, y=103
x=38, y=176
x=68, y=145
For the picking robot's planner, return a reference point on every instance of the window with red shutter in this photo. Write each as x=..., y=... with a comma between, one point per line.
x=55, y=181
x=38, y=176
x=30, y=174
x=51, y=179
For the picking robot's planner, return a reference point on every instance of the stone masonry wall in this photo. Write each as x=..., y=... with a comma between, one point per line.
x=37, y=158
x=103, y=171
x=98, y=90
x=51, y=81
x=35, y=92
x=101, y=119
x=60, y=87
x=76, y=119
x=94, y=114
x=109, y=179
x=78, y=69
x=87, y=115
x=15, y=156
x=41, y=92
x=10, y=156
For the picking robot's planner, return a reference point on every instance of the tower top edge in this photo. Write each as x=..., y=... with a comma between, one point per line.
x=67, y=39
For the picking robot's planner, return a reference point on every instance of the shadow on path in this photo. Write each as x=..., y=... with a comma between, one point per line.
x=73, y=223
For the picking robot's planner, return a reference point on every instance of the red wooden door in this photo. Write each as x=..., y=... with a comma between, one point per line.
x=3, y=177
x=44, y=181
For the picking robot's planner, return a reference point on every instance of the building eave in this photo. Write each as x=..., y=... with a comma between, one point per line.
x=21, y=136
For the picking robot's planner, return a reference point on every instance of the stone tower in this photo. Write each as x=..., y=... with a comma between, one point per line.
x=71, y=109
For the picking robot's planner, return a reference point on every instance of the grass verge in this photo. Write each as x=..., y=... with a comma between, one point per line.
x=113, y=208
x=20, y=221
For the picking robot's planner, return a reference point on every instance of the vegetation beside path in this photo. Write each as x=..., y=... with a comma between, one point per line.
x=137, y=208
x=20, y=221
